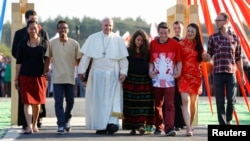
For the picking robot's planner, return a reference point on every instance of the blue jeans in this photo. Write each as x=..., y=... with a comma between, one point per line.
x=61, y=90
x=225, y=84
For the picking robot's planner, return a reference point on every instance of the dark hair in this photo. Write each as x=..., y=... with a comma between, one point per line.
x=198, y=47
x=60, y=22
x=29, y=13
x=144, y=49
x=163, y=25
x=178, y=22
x=30, y=22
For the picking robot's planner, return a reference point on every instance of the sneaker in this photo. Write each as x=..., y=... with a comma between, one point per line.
x=60, y=130
x=157, y=131
x=67, y=127
x=171, y=132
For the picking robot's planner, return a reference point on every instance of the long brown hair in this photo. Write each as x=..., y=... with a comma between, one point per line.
x=144, y=49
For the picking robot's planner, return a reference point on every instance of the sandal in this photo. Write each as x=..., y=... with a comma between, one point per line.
x=27, y=131
x=35, y=129
x=189, y=134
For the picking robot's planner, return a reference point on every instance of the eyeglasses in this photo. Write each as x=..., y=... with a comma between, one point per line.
x=62, y=28
x=219, y=20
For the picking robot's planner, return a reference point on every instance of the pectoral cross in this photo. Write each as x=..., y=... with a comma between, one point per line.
x=105, y=43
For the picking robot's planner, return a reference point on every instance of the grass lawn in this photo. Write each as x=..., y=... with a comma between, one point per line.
x=205, y=116
x=5, y=115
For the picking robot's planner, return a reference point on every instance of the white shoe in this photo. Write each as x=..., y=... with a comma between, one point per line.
x=60, y=130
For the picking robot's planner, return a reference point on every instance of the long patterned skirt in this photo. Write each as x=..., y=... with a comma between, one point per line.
x=138, y=102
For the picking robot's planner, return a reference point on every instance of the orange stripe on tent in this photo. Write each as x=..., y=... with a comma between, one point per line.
x=243, y=40
x=248, y=1
x=236, y=118
x=205, y=73
x=207, y=18
x=242, y=89
x=205, y=77
x=237, y=15
x=195, y=2
x=243, y=8
x=216, y=6
x=245, y=49
x=210, y=30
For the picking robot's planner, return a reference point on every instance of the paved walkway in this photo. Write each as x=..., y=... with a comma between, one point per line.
x=48, y=132
x=79, y=132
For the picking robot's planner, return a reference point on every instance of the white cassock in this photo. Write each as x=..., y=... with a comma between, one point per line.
x=104, y=94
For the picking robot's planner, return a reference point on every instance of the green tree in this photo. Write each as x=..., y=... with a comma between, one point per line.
x=91, y=25
x=6, y=34
x=5, y=50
